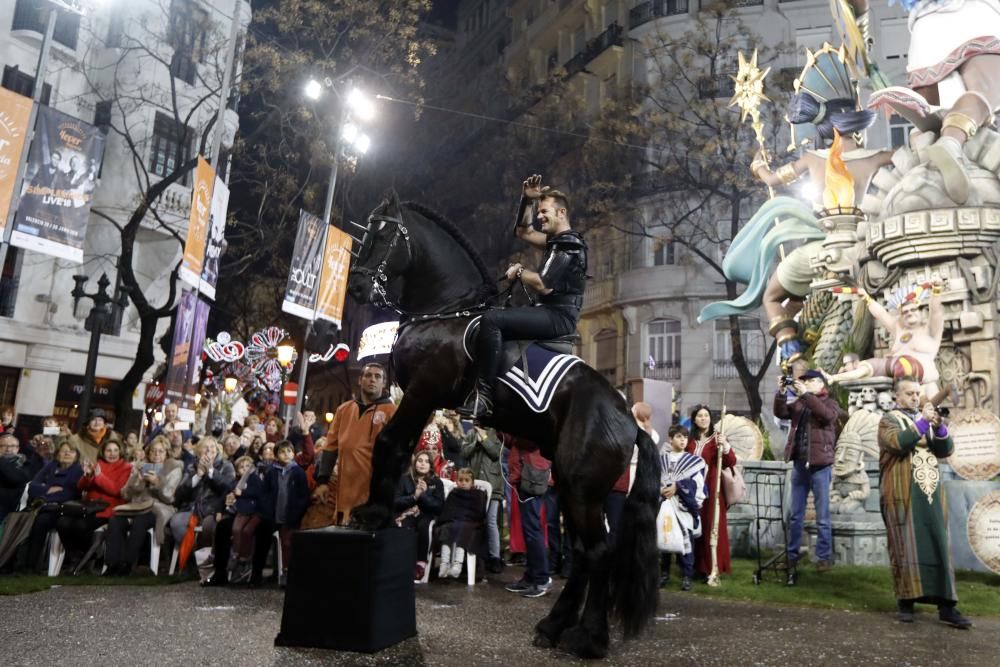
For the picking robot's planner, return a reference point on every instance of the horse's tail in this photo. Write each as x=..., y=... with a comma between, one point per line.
x=635, y=573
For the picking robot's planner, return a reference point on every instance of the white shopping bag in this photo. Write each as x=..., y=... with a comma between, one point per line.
x=669, y=536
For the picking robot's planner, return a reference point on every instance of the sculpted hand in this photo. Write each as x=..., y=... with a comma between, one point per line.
x=321, y=493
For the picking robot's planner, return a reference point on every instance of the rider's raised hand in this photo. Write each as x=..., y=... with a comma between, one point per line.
x=532, y=187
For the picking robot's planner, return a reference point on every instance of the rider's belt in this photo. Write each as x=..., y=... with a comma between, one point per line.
x=574, y=300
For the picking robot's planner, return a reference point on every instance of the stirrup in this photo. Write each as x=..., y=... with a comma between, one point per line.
x=477, y=406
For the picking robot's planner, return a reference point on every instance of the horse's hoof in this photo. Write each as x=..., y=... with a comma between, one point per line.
x=582, y=644
x=547, y=633
x=541, y=641
x=370, y=517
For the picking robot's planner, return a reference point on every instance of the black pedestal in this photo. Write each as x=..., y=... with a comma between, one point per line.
x=350, y=590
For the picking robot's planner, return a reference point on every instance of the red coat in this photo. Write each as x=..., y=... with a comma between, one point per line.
x=107, y=485
x=703, y=545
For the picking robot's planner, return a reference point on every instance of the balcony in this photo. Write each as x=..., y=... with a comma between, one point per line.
x=725, y=369
x=663, y=370
x=655, y=9
x=29, y=15
x=599, y=294
x=613, y=36
x=733, y=3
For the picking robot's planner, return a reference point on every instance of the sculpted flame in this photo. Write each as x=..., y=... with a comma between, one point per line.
x=839, y=190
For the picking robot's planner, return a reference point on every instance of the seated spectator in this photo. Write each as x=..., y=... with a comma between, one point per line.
x=7, y=419
x=176, y=448
x=304, y=424
x=459, y=529
x=94, y=435
x=236, y=531
x=285, y=497
x=419, y=500
x=133, y=450
x=202, y=492
x=102, y=485
x=266, y=455
x=150, y=494
x=231, y=447
x=38, y=452
x=170, y=423
x=255, y=447
x=54, y=484
x=15, y=473
x=430, y=442
x=450, y=426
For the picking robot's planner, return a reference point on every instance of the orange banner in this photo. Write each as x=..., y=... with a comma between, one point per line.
x=15, y=111
x=333, y=282
x=201, y=212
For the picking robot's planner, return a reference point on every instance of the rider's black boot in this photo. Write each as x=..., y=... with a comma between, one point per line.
x=479, y=404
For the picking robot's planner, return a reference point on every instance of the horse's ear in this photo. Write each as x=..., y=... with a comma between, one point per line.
x=393, y=200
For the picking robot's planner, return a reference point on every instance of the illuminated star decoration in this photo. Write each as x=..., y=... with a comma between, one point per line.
x=749, y=82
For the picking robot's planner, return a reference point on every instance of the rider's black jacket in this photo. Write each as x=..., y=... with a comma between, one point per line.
x=564, y=270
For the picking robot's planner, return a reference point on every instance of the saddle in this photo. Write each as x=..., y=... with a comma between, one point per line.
x=515, y=351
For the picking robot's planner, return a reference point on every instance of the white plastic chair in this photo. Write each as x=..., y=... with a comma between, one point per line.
x=176, y=555
x=154, y=553
x=470, y=558
x=56, y=553
x=448, y=486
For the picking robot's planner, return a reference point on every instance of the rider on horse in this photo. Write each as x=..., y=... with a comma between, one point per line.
x=560, y=283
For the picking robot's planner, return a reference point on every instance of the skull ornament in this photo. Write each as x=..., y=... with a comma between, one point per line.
x=869, y=398
x=886, y=401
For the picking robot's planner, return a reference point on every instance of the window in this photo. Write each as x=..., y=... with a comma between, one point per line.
x=721, y=85
x=899, y=130
x=751, y=340
x=171, y=145
x=187, y=33
x=611, y=13
x=663, y=345
x=102, y=114
x=664, y=252
x=9, y=280
x=116, y=27
x=24, y=84
x=30, y=15
x=606, y=344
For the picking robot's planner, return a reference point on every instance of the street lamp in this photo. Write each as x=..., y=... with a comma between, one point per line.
x=285, y=355
x=95, y=320
x=356, y=104
x=230, y=384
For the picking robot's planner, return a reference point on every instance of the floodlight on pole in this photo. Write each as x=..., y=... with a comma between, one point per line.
x=359, y=103
x=314, y=89
x=362, y=143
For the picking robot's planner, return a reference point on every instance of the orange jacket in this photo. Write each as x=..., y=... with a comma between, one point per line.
x=352, y=437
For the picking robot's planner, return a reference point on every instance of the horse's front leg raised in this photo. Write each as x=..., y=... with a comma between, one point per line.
x=390, y=457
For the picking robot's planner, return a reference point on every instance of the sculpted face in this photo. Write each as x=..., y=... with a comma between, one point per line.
x=911, y=316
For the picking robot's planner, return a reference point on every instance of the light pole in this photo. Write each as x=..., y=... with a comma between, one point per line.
x=286, y=353
x=347, y=135
x=96, y=319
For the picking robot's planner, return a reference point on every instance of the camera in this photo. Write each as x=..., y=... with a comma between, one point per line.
x=787, y=381
x=944, y=412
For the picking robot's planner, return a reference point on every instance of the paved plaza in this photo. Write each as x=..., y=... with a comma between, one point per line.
x=184, y=625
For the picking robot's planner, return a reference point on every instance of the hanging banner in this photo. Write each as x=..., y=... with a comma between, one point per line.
x=333, y=282
x=195, y=362
x=304, y=271
x=63, y=163
x=15, y=112
x=201, y=210
x=181, y=351
x=216, y=241
x=377, y=339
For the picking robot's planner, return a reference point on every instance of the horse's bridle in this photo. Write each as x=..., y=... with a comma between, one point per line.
x=377, y=276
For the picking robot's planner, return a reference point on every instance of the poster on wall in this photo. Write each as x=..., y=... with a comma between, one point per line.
x=59, y=183
x=306, y=267
x=215, y=242
x=333, y=281
x=197, y=233
x=15, y=112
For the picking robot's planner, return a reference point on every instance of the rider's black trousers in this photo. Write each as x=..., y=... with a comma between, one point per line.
x=524, y=323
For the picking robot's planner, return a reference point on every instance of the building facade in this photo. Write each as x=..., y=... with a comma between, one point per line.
x=640, y=311
x=148, y=72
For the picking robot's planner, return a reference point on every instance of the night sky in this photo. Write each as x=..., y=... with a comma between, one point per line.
x=445, y=12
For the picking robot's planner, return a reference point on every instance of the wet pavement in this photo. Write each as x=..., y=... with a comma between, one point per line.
x=485, y=625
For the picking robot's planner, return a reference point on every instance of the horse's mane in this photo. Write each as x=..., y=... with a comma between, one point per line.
x=489, y=287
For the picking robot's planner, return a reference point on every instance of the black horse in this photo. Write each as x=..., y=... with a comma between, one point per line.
x=415, y=261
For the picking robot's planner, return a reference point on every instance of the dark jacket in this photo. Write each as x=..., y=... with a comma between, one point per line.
x=247, y=501
x=484, y=459
x=823, y=415
x=53, y=475
x=14, y=475
x=430, y=502
x=208, y=496
x=297, y=499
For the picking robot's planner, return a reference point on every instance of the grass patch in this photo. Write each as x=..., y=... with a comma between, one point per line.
x=32, y=584
x=854, y=588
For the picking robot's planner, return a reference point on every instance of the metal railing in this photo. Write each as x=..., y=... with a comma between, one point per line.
x=613, y=36
x=664, y=370
x=654, y=9
x=725, y=369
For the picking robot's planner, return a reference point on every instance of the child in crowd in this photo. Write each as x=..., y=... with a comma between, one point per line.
x=682, y=482
x=288, y=496
x=419, y=500
x=243, y=503
x=459, y=529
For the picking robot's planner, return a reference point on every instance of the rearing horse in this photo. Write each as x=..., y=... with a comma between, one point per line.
x=418, y=263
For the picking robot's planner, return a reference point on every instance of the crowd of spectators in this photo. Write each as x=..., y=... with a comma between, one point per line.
x=222, y=504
